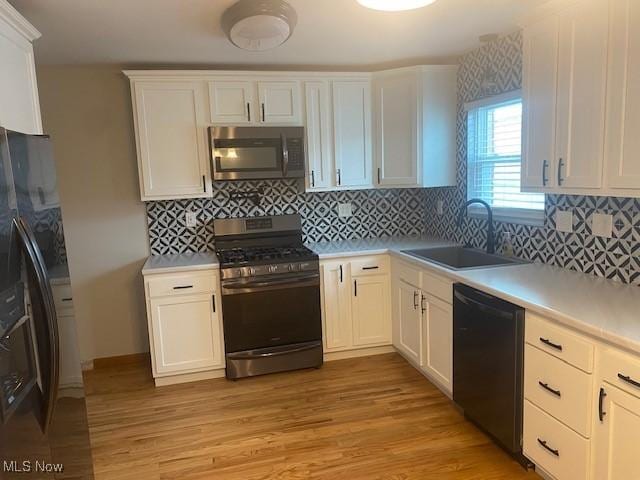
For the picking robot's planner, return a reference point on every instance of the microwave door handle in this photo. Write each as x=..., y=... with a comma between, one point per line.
x=285, y=155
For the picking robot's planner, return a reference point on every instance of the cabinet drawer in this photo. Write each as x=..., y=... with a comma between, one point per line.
x=373, y=265
x=62, y=296
x=559, y=389
x=620, y=369
x=438, y=286
x=553, y=447
x=559, y=342
x=181, y=284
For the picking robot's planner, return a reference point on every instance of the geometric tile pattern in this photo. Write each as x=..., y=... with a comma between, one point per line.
x=376, y=213
x=615, y=258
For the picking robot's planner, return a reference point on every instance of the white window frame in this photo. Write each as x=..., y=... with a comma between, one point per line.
x=521, y=216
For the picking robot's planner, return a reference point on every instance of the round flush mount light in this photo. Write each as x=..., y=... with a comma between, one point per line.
x=395, y=5
x=259, y=25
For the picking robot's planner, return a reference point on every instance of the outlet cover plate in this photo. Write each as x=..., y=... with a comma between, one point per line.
x=440, y=207
x=602, y=225
x=564, y=221
x=345, y=210
x=191, y=219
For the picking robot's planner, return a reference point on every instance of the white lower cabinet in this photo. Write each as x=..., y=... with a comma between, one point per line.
x=422, y=315
x=582, y=405
x=356, y=303
x=185, y=326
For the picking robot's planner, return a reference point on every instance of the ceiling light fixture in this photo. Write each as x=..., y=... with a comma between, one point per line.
x=395, y=5
x=258, y=25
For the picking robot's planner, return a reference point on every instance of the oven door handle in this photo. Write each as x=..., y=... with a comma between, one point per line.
x=274, y=353
x=297, y=281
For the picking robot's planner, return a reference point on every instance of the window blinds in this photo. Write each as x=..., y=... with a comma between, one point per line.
x=495, y=156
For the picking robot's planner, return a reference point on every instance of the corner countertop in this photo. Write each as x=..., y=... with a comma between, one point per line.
x=604, y=309
x=180, y=262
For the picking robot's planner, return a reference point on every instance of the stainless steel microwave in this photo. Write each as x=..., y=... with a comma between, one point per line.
x=250, y=153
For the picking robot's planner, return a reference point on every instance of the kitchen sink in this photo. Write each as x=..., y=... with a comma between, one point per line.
x=462, y=258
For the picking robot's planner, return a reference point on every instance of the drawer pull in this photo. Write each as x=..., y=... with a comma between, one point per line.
x=182, y=287
x=548, y=342
x=629, y=380
x=370, y=268
x=601, y=412
x=544, y=445
x=546, y=386
x=67, y=299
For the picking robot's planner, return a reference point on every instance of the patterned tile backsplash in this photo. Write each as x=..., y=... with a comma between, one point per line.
x=376, y=213
x=495, y=68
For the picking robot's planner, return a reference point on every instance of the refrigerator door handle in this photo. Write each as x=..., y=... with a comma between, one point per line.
x=34, y=257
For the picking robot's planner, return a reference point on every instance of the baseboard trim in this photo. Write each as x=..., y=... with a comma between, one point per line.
x=361, y=352
x=132, y=359
x=189, y=377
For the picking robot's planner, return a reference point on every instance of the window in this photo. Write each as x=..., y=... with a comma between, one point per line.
x=494, y=160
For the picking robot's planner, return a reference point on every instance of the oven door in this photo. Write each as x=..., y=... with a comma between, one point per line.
x=248, y=158
x=272, y=311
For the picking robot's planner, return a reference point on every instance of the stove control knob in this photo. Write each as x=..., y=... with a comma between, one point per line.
x=252, y=271
x=294, y=267
x=273, y=269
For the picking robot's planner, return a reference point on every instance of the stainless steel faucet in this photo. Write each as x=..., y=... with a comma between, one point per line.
x=491, y=242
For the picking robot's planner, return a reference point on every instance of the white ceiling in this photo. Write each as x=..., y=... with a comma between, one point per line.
x=330, y=33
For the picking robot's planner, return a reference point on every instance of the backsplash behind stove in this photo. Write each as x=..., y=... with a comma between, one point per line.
x=376, y=213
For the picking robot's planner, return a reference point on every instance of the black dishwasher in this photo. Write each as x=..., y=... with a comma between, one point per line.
x=488, y=362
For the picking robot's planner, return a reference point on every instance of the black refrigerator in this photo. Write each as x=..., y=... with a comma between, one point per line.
x=43, y=427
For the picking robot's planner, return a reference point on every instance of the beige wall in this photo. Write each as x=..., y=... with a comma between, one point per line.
x=87, y=111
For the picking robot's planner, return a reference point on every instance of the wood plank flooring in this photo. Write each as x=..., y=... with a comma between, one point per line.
x=365, y=418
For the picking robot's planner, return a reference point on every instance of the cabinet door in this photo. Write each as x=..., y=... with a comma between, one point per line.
x=438, y=340
x=617, y=437
x=408, y=316
x=396, y=148
x=318, y=128
x=171, y=134
x=623, y=112
x=582, y=81
x=19, y=104
x=279, y=102
x=539, y=87
x=371, y=312
x=232, y=102
x=336, y=309
x=352, y=133
x=186, y=333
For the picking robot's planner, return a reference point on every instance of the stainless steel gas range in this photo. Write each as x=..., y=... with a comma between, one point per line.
x=270, y=296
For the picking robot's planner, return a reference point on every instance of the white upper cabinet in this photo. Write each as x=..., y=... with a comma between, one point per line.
x=622, y=147
x=415, y=126
x=232, y=102
x=352, y=133
x=539, y=86
x=396, y=128
x=580, y=109
x=170, y=122
x=279, y=102
x=581, y=99
x=19, y=104
x=318, y=128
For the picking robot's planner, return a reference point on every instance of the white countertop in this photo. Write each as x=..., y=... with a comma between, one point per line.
x=602, y=308
x=180, y=262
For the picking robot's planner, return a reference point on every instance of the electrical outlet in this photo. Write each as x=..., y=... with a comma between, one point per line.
x=602, y=225
x=564, y=221
x=191, y=219
x=345, y=210
x=440, y=207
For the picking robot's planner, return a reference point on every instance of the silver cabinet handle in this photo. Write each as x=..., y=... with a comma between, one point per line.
x=422, y=304
x=545, y=166
x=313, y=179
x=262, y=107
x=339, y=179
x=379, y=175
x=248, y=111
x=415, y=300
x=560, y=165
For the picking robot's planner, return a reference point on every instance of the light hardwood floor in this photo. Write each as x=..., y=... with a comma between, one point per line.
x=366, y=418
